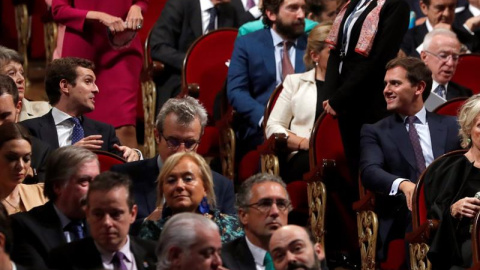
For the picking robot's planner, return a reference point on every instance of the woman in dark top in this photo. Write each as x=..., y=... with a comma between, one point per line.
x=300, y=104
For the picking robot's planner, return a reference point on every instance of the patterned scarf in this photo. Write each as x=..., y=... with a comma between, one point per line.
x=367, y=34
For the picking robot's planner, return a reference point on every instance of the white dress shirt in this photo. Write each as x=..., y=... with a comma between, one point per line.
x=258, y=254
x=64, y=127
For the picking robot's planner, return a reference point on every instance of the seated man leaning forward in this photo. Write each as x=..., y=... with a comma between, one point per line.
x=71, y=90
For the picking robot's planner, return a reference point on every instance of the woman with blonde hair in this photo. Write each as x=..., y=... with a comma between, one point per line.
x=185, y=184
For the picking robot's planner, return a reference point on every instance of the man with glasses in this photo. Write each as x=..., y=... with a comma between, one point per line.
x=180, y=125
x=263, y=205
x=398, y=148
x=441, y=50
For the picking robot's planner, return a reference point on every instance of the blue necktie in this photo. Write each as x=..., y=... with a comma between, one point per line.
x=76, y=230
x=440, y=91
x=77, y=133
x=211, y=22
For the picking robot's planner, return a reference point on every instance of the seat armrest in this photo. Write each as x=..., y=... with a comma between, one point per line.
x=423, y=233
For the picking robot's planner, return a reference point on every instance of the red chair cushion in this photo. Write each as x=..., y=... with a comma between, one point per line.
x=210, y=141
x=297, y=190
x=108, y=160
x=396, y=256
x=467, y=72
x=249, y=165
x=450, y=107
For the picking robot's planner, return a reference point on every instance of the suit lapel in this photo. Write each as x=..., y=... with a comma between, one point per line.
x=89, y=127
x=440, y=131
x=399, y=135
x=48, y=130
x=420, y=34
x=51, y=229
x=140, y=254
x=268, y=53
x=195, y=18
x=244, y=257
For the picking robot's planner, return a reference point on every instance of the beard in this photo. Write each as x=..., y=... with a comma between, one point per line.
x=290, y=30
x=296, y=265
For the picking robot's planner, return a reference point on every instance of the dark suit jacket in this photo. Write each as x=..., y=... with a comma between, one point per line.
x=414, y=37
x=252, y=76
x=178, y=26
x=387, y=154
x=144, y=175
x=455, y=90
x=461, y=17
x=83, y=254
x=40, y=152
x=36, y=233
x=44, y=129
x=237, y=256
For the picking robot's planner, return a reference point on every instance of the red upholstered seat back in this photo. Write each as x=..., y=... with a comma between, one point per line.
x=467, y=72
x=422, y=207
x=107, y=160
x=206, y=64
x=270, y=104
x=451, y=107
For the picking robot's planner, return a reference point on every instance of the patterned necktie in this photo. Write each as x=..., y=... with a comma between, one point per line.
x=440, y=91
x=118, y=261
x=75, y=229
x=287, y=67
x=268, y=262
x=77, y=133
x=417, y=148
x=211, y=22
x=250, y=4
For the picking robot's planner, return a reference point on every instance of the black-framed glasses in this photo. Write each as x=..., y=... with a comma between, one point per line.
x=174, y=143
x=444, y=56
x=264, y=205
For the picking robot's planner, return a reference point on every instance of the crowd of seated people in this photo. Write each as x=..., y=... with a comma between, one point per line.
x=360, y=64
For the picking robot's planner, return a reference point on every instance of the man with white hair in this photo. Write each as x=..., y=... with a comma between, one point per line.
x=189, y=240
x=440, y=53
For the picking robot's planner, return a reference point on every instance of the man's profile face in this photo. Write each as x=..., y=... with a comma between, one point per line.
x=291, y=248
x=289, y=22
x=399, y=93
x=439, y=11
x=71, y=198
x=15, y=71
x=261, y=223
x=82, y=94
x=172, y=129
x=109, y=217
x=442, y=71
x=204, y=254
x=8, y=111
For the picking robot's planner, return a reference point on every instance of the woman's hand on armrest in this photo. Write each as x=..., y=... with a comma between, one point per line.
x=466, y=207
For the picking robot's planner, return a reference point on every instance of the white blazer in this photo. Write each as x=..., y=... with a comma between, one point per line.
x=295, y=108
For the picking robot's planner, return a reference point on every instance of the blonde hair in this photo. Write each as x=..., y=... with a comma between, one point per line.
x=173, y=161
x=466, y=118
x=316, y=42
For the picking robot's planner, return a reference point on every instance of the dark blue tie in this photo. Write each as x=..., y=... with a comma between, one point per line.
x=440, y=90
x=211, y=22
x=77, y=133
x=76, y=230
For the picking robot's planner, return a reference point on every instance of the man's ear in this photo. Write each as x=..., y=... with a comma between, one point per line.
x=420, y=88
x=243, y=216
x=18, y=109
x=157, y=135
x=64, y=86
x=175, y=257
x=271, y=16
x=317, y=248
x=424, y=8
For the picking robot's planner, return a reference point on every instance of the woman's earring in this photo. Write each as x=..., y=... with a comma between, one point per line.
x=204, y=208
x=316, y=63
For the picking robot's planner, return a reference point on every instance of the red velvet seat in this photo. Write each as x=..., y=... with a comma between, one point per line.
x=107, y=160
x=451, y=107
x=467, y=72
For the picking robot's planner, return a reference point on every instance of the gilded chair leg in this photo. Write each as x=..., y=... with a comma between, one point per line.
x=317, y=198
x=50, y=38
x=149, y=98
x=270, y=164
x=418, y=257
x=227, y=152
x=22, y=22
x=367, y=223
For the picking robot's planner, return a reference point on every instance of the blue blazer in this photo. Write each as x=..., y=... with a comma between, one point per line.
x=252, y=76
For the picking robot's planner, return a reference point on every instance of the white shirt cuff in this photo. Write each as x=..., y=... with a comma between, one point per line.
x=260, y=122
x=468, y=29
x=396, y=183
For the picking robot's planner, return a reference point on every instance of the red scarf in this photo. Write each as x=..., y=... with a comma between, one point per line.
x=367, y=34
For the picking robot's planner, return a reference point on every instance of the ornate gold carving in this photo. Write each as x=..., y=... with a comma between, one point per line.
x=50, y=37
x=270, y=164
x=317, y=197
x=22, y=23
x=149, y=99
x=227, y=152
x=367, y=224
x=418, y=257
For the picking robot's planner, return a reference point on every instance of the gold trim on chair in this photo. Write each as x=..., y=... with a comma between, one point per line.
x=22, y=23
x=367, y=224
x=317, y=198
x=227, y=152
x=50, y=37
x=418, y=257
x=270, y=164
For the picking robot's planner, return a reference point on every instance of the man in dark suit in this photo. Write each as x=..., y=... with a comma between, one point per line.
x=9, y=111
x=440, y=14
x=263, y=206
x=184, y=240
x=179, y=25
x=440, y=53
x=110, y=210
x=396, y=149
x=71, y=90
x=6, y=242
x=180, y=125
x=69, y=171
x=256, y=66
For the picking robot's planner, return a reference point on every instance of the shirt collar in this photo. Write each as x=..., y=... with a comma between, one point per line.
x=429, y=25
x=205, y=5
x=257, y=252
x=421, y=115
x=474, y=10
x=59, y=117
x=108, y=256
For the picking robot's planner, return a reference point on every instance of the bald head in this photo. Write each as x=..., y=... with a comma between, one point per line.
x=293, y=247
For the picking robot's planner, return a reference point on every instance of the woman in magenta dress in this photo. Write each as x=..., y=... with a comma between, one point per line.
x=117, y=69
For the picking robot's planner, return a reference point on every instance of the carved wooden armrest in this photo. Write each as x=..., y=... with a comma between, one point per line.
x=366, y=203
x=157, y=68
x=318, y=173
x=275, y=144
x=423, y=233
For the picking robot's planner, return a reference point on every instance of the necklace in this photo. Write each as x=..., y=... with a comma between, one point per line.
x=16, y=208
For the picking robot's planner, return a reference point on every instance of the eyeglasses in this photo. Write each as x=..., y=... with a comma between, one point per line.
x=264, y=205
x=443, y=56
x=174, y=143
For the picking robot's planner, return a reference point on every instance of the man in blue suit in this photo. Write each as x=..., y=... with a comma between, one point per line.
x=392, y=156
x=256, y=66
x=180, y=125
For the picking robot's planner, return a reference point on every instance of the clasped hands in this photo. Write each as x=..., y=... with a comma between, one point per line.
x=94, y=142
x=134, y=20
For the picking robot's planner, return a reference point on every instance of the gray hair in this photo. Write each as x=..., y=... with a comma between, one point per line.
x=181, y=231
x=62, y=164
x=437, y=32
x=186, y=109
x=466, y=118
x=8, y=55
x=245, y=193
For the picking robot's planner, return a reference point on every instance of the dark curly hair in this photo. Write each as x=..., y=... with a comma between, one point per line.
x=272, y=6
